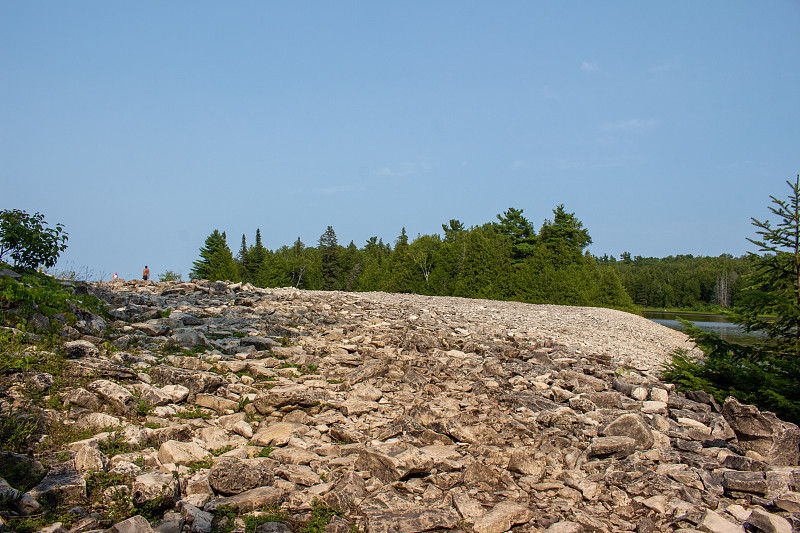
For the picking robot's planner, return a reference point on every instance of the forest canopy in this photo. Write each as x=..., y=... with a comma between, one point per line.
x=506, y=259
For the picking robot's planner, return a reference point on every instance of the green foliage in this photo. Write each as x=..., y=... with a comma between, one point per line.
x=225, y=516
x=216, y=260
x=773, y=287
x=519, y=230
x=39, y=293
x=752, y=374
x=28, y=241
x=265, y=451
x=195, y=412
x=170, y=275
x=565, y=234
x=321, y=516
x=768, y=373
x=504, y=260
x=683, y=281
x=329, y=254
x=20, y=429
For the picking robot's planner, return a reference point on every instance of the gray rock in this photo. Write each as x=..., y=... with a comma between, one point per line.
x=763, y=432
x=62, y=482
x=135, y=524
x=234, y=476
x=250, y=500
x=631, y=425
x=80, y=348
x=768, y=522
x=115, y=395
x=412, y=520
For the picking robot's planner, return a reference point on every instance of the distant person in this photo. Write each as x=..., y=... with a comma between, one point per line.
x=146, y=273
x=114, y=277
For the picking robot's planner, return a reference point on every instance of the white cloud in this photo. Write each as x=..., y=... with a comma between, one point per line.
x=589, y=67
x=404, y=169
x=629, y=125
x=549, y=94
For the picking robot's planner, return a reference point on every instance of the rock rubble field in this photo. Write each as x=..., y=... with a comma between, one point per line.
x=399, y=413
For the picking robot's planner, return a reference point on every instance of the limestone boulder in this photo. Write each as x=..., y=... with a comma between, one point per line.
x=763, y=432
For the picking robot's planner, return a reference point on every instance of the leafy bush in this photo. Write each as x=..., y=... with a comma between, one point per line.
x=170, y=275
x=28, y=241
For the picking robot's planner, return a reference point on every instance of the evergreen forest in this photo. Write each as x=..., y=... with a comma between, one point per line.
x=505, y=259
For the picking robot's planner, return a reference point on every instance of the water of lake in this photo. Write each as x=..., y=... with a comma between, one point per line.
x=713, y=323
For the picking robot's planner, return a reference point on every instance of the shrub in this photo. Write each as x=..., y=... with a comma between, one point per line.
x=28, y=241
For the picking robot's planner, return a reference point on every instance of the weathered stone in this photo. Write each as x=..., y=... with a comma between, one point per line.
x=294, y=455
x=788, y=501
x=524, y=461
x=565, y=526
x=250, y=500
x=80, y=348
x=503, y=517
x=631, y=425
x=763, y=432
x=90, y=459
x=134, y=524
x=189, y=339
x=234, y=476
x=411, y=520
x=155, y=490
x=393, y=461
x=181, y=453
x=151, y=329
x=178, y=393
x=278, y=434
x=260, y=343
x=62, y=482
x=753, y=482
x=619, y=446
x=295, y=396
x=217, y=403
x=83, y=398
x=195, y=381
x=298, y=474
x=768, y=522
x=115, y=395
x=712, y=522
x=97, y=421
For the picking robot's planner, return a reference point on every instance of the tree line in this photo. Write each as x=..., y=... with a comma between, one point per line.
x=506, y=259
x=682, y=281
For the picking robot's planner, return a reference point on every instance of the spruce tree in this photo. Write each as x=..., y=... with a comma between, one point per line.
x=329, y=254
x=770, y=302
x=201, y=269
x=256, y=257
x=241, y=261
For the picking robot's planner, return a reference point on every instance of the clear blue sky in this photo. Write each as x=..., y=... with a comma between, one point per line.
x=143, y=126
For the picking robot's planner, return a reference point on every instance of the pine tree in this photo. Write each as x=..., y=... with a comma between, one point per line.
x=519, y=230
x=201, y=269
x=565, y=234
x=329, y=254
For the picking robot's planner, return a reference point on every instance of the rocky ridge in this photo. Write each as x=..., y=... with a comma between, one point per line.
x=402, y=412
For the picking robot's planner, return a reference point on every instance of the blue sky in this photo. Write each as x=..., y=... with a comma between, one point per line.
x=143, y=126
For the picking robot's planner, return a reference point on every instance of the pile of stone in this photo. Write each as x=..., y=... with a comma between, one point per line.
x=405, y=413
